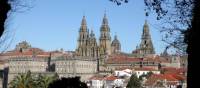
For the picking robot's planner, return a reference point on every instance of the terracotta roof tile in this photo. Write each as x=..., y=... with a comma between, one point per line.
x=168, y=70
x=97, y=77
x=172, y=79
x=110, y=78
x=146, y=69
x=122, y=59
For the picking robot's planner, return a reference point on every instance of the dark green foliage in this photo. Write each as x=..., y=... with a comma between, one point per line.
x=134, y=82
x=68, y=83
x=29, y=80
x=146, y=76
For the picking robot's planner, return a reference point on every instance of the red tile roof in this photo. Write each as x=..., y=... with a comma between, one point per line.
x=172, y=79
x=100, y=77
x=117, y=59
x=29, y=52
x=168, y=70
x=122, y=59
x=96, y=78
x=178, y=76
x=145, y=69
x=110, y=78
x=156, y=58
x=124, y=68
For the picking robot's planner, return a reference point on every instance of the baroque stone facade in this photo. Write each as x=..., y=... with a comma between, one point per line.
x=64, y=66
x=87, y=44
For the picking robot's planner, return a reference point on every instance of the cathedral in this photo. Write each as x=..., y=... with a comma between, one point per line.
x=87, y=43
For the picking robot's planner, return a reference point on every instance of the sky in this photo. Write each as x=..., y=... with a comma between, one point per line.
x=54, y=24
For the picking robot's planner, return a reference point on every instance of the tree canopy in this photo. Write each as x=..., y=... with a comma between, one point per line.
x=134, y=82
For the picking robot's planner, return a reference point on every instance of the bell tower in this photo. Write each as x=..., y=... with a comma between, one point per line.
x=146, y=45
x=83, y=39
x=105, y=39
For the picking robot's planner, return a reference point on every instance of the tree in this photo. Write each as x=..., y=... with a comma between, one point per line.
x=68, y=83
x=7, y=7
x=175, y=17
x=134, y=82
x=23, y=81
x=146, y=75
x=119, y=2
x=28, y=80
x=43, y=81
x=187, y=15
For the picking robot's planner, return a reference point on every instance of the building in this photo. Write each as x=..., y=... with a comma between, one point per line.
x=87, y=44
x=75, y=66
x=165, y=81
x=146, y=45
x=144, y=71
x=123, y=73
x=25, y=58
x=96, y=81
x=108, y=81
x=122, y=61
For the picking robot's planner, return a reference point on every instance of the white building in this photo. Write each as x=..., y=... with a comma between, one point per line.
x=105, y=82
x=144, y=71
x=96, y=82
x=121, y=73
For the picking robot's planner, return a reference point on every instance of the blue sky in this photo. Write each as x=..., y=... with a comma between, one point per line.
x=54, y=24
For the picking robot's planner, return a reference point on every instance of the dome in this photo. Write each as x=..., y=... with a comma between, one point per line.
x=115, y=42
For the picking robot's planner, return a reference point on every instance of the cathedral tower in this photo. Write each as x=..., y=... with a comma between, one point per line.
x=146, y=45
x=83, y=39
x=87, y=45
x=105, y=39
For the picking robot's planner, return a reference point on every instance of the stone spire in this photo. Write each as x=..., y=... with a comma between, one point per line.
x=146, y=45
x=83, y=38
x=83, y=24
x=145, y=34
x=105, y=39
x=105, y=20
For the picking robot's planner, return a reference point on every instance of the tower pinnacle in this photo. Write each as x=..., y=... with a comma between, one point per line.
x=105, y=20
x=83, y=22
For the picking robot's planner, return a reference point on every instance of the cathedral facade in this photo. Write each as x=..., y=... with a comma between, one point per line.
x=87, y=43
